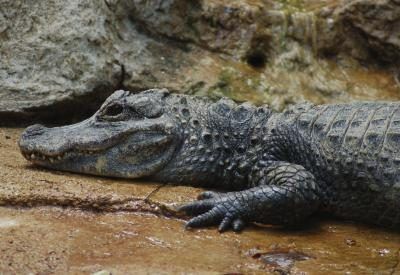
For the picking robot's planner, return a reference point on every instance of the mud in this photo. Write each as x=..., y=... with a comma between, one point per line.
x=53, y=222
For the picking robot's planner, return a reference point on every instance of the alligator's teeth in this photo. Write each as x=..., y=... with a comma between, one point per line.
x=51, y=160
x=59, y=157
x=33, y=156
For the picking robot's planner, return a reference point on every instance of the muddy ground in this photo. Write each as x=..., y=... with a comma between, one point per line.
x=53, y=222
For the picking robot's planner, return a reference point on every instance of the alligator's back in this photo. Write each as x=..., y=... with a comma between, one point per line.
x=361, y=144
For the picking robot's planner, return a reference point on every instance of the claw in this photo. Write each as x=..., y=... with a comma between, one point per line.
x=238, y=225
x=225, y=224
x=209, y=218
x=214, y=209
x=208, y=195
x=196, y=207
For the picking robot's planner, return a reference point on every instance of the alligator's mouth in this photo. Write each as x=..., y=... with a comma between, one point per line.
x=36, y=156
x=149, y=140
x=143, y=152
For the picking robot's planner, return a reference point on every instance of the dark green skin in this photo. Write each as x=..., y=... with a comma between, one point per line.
x=278, y=168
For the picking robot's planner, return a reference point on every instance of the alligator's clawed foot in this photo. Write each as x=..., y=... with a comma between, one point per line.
x=215, y=209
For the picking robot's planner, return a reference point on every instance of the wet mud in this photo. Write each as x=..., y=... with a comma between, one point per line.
x=53, y=222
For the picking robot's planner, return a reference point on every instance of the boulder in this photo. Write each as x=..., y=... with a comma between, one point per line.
x=375, y=27
x=61, y=59
x=56, y=57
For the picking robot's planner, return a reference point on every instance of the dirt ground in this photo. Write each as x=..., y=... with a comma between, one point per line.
x=56, y=222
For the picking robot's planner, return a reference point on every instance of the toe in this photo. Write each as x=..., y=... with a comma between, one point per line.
x=238, y=225
x=208, y=195
x=225, y=224
x=196, y=207
x=211, y=217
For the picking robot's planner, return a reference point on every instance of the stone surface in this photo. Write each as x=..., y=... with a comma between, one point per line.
x=375, y=26
x=61, y=59
x=55, y=56
x=55, y=222
x=75, y=190
x=231, y=27
x=54, y=240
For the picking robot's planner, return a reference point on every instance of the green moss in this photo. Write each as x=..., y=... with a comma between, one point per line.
x=227, y=75
x=289, y=7
x=283, y=33
x=195, y=88
x=224, y=85
x=240, y=86
x=292, y=5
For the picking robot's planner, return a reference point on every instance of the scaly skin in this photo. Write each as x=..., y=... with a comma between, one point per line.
x=279, y=167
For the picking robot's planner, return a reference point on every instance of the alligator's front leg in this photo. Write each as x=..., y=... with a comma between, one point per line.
x=284, y=193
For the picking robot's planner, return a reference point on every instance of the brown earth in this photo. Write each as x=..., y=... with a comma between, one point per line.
x=54, y=222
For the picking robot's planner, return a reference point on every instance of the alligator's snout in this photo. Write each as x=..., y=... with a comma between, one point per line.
x=26, y=142
x=37, y=140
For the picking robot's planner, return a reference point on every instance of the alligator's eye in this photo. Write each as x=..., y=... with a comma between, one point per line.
x=113, y=110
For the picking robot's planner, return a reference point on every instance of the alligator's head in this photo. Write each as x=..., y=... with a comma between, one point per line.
x=170, y=137
x=131, y=135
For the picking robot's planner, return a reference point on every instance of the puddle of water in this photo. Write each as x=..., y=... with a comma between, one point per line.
x=281, y=260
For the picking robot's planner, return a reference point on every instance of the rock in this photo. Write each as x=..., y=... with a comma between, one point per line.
x=102, y=272
x=222, y=26
x=60, y=60
x=375, y=27
x=53, y=56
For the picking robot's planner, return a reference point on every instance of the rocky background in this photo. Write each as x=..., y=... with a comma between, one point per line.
x=60, y=59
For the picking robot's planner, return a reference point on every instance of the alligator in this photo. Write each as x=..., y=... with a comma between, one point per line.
x=263, y=166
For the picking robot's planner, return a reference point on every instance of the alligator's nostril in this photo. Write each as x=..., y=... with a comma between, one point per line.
x=34, y=130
